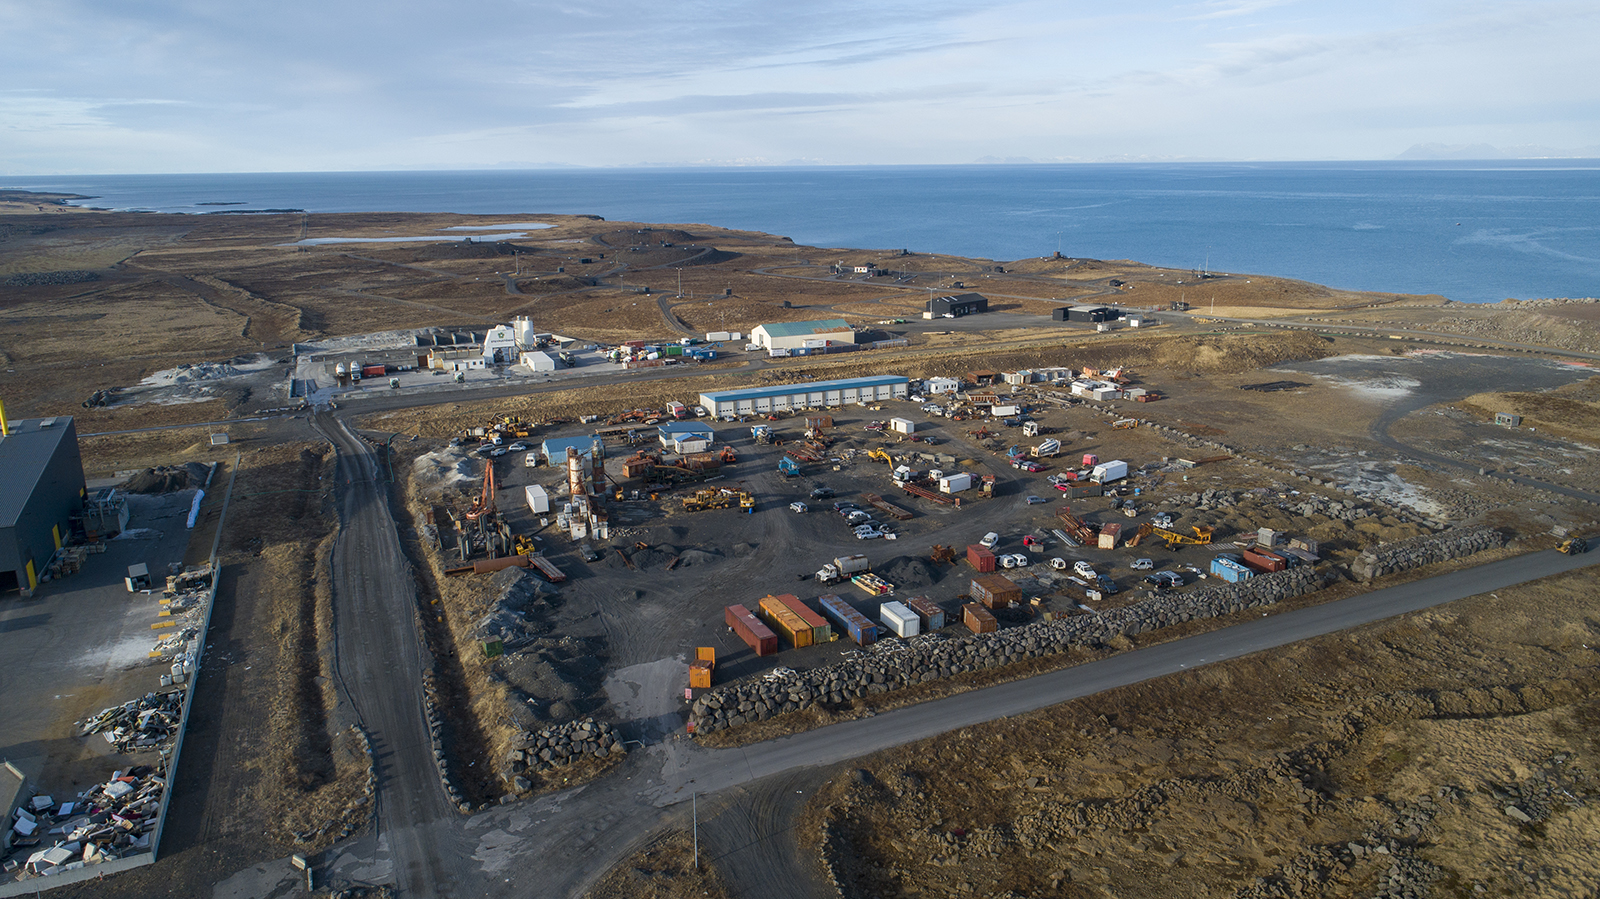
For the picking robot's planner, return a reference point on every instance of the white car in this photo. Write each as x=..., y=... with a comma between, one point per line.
x=1084, y=568
x=989, y=540
x=1007, y=561
x=517, y=448
x=1141, y=565
x=1020, y=560
x=868, y=534
x=799, y=507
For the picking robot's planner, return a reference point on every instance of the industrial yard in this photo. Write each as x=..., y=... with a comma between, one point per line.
x=649, y=529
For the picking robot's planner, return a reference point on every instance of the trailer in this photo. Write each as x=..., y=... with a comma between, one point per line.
x=873, y=585
x=858, y=627
x=546, y=569
x=886, y=507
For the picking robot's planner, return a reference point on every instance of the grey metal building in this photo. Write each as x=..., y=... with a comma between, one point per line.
x=1085, y=314
x=958, y=304
x=41, y=491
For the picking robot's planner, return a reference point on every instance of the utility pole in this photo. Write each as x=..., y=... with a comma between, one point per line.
x=696, y=801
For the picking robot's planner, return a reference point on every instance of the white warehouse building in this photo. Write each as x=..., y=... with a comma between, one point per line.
x=814, y=395
x=795, y=335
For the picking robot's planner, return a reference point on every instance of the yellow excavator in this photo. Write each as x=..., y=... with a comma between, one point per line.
x=1202, y=536
x=879, y=455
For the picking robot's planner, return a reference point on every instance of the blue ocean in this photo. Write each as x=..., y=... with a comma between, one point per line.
x=1471, y=231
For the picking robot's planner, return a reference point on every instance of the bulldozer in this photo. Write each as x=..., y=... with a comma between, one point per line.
x=718, y=498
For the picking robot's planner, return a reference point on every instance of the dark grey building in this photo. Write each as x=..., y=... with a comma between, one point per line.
x=41, y=491
x=958, y=304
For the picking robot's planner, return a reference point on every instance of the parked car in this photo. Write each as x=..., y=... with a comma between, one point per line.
x=517, y=448
x=799, y=507
x=1020, y=560
x=1165, y=579
x=822, y=493
x=1035, y=500
x=844, y=508
x=868, y=534
x=989, y=540
x=1084, y=568
x=1141, y=565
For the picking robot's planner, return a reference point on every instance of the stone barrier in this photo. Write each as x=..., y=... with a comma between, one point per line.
x=1404, y=555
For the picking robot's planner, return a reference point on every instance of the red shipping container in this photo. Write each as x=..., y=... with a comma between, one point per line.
x=751, y=630
x=821, y=630
x=980, y=558
x=1263, y=560
x=978, y=619
x=372, y=371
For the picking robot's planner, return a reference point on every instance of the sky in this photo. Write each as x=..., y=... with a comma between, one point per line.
x=108, y=86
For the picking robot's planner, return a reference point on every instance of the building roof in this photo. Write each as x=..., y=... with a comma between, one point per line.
x=24, y=456
x=555, y=448
x=685, y=427
x=801, y=329
x=750, y=393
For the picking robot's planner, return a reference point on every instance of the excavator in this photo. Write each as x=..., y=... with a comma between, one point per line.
x=880, y=455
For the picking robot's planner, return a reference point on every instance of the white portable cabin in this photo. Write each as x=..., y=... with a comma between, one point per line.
x=538, y=499
x=899, y=619
x=902, y=425
x=955, y=483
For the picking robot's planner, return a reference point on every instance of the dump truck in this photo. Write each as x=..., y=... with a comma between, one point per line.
x=843, y=567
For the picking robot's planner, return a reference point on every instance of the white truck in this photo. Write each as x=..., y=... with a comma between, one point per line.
x=842, y=568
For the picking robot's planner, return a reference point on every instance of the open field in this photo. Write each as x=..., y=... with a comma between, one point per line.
x=1411, y=736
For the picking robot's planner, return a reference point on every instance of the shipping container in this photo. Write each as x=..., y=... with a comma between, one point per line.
x=794, y=632
x=980, y=558
x=1110, y=535
x=756, y=635
x=955, y=483
x=899, y=619
x=538, y=499
x=928, y=612
x=1264, y=560
x=1230, y=570
x=902, y=425
x=995, y=591
x=373, y=371
x=700, y=675
x=978, y=620
x=821, y=630
x=857, y=626
x=1079, y=491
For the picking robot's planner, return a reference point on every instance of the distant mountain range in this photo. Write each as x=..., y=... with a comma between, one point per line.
x=1486, y=151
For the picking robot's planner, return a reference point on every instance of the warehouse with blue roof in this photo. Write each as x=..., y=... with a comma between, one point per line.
x=810, y=395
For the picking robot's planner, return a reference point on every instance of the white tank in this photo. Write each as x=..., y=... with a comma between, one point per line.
x=524, y=330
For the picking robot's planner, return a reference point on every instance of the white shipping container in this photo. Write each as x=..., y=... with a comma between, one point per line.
x=955, y=483
x=718, y=336
x=900, y=619
x=1004, y=411
x=538, y=499
x=902, y=425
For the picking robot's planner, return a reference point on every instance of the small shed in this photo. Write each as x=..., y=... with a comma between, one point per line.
x=538, y=360
x=1508, y=419
x=902, y=425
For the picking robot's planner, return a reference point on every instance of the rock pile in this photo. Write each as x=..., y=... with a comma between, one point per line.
x=559, y=745
x=893, y=665
x=1427, y=549
x=430, y=704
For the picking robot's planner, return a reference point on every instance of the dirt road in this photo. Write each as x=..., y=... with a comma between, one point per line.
x=379, y=659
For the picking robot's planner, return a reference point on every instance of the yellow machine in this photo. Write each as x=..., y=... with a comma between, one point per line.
x=718, y=498
x=1202, y=536
x=879, y=455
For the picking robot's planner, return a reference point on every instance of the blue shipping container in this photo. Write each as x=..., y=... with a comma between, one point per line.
x=1229, y=570
x=860, y=628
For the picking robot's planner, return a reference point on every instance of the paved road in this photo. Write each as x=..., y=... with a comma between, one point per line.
x=378, y=663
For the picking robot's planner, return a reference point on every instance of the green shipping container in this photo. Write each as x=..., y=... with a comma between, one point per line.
x=674, y=351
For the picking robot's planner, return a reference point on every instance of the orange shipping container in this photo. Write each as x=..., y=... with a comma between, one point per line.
x=700, y=675
x=995, y=590
x=821, y=630
x=786, y=623
x=978, y=619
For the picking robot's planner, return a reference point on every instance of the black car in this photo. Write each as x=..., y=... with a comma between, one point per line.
x=822, y=493
x=846, y=508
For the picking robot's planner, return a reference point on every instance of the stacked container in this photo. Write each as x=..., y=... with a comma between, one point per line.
x=858, y=626
x=756, y=635
x=794, y=631
x=931, y=616
x=821, y=630
x=995, y=591
x=899, y=619
x=978, y=620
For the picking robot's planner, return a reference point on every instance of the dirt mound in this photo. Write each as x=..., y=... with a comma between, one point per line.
x=744, y=549
x=561, y=677
x=909, y=572
x=167, y=478
x=658, y=556
x=692, y=557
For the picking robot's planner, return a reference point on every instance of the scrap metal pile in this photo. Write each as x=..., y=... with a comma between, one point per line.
x=109, y=821
x=148, y=723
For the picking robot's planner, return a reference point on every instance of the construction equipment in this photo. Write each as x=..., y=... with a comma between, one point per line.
x=719, y=498
x=880, y=456
x=1047, y=448
x=728, y=456
x=1573, y=546
x=1123, y=424
x=942, y=553
x=1202, y=535
x=982, y=433
x=761, y=434
x=788, y=467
